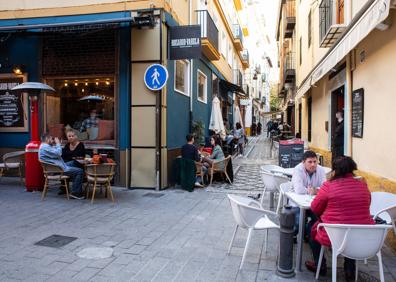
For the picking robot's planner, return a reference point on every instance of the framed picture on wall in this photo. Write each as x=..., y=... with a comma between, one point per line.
x=13, y=105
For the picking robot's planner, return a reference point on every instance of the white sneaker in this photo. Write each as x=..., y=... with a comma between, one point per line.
x=197, y=184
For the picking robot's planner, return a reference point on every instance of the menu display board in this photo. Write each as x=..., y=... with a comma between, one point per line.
x=357, y=113
x=13, y=105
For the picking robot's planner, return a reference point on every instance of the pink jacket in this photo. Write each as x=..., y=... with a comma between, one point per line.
x=345, y=201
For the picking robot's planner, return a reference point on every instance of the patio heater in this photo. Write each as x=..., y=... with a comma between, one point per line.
x=34, y=178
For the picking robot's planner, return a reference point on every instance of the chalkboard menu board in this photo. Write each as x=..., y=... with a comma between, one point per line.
x=13, y=105
x=357, y=112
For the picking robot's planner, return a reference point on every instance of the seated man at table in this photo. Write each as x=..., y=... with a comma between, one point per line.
x=190, y=151
x=308, y=176
x=50, y=151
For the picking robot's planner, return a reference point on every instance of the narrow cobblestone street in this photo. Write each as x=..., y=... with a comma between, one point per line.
x=170, y=235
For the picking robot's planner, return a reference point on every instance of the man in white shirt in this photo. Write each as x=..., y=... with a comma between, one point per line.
x=307, y=178
x=308, y=175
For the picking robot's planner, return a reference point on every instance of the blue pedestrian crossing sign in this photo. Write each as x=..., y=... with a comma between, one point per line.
x=155, y=77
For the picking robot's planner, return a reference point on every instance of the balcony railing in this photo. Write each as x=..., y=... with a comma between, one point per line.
x=208, y=28
x=331, y=24
x=237, y=31
x=245, y=55
x=289, y=15
x=289, y=68
x=238, y=77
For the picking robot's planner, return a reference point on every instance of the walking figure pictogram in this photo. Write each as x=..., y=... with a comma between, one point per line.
x=155, y=77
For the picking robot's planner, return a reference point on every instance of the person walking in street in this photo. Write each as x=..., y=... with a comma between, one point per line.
x=239, y=136
x=338, y=138
x=269, y=127
x=341, y=200
x=50, y=151
x=259, y=127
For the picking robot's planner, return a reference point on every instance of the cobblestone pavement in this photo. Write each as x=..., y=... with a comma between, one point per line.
x=170, y=235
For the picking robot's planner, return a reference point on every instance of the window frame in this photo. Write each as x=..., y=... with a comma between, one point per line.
x=187, y=80
x=205, y=100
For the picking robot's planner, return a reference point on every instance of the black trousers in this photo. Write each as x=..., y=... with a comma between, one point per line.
x=349, y=264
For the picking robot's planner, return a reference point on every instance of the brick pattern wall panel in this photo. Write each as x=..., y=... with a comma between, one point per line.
x=77, y=51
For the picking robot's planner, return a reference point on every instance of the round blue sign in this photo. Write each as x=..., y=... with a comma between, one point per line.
x=155, y=77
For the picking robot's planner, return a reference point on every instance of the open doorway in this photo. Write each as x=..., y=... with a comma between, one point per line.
x=337, y=122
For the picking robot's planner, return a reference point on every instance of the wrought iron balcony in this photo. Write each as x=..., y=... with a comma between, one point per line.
x=238, y=77
x=331, y=25
x=289, y=15
x=209, y=35
x=289, y=69
x=245, y=58
x=238, y=37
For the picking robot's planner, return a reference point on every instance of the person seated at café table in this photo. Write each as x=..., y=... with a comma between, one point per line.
x=190, y=151
x=217, y=154
x=307, y=176
x=91, y=121
x=74, y=149
x=341, y=200
x=50, y=151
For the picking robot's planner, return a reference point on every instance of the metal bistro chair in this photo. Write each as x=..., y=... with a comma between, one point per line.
x=12, y=161
x=53, y=173
x=100, y=175
x=354, y=241
x=249, y=215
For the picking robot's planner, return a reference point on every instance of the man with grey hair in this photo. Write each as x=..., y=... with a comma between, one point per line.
x=50, y=151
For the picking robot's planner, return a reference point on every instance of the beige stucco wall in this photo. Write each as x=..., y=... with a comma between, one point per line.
x=320, y=113
x=310, y=55
x=376, y=151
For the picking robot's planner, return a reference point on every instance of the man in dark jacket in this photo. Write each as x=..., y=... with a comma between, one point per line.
x=338, y=137
x=190, y=152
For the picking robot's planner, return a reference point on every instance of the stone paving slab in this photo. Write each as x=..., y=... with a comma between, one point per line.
x=180, y=236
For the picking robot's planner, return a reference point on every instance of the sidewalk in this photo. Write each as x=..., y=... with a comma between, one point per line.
x=170, y=235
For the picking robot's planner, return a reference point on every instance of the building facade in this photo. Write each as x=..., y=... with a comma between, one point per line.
x=344, y=64
x=95, y=54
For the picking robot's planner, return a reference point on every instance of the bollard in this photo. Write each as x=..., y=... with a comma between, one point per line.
x=285, y=259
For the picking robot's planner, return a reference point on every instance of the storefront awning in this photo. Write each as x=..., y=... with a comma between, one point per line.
x=369, y=17
x=232, y=87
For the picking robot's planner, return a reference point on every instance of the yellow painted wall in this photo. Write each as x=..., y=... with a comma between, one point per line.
x=376, y=151
x=320, y=115
x=42, y=8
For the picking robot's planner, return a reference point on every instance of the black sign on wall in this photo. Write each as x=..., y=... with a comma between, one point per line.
x=12, y=106
x=185, y=42
x=357, y=112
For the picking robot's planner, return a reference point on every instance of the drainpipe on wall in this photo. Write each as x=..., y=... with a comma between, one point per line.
x=349, y=85
x=191, y=72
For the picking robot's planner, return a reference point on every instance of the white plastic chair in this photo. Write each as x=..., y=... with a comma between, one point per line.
x=269, y=167
x=383, y=205
x=271, y=182
x=283, y=188
x=249, y=215
x=354, y=241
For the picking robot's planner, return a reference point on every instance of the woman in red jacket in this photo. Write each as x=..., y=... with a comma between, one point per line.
x=343, y=200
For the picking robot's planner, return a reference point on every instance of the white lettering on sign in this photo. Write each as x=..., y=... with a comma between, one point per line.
x=185, y=42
